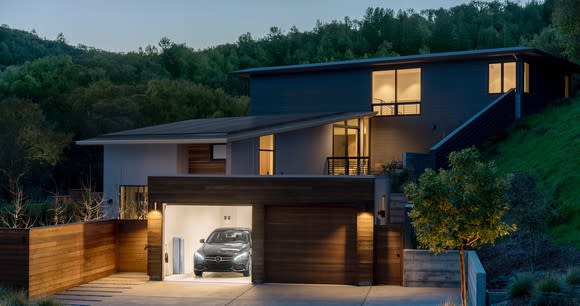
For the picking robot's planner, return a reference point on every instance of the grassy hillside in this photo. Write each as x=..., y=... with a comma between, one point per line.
x=547, y=145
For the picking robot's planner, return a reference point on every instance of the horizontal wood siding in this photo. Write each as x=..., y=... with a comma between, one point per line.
x=66, y=256
x=154, y=247
x=310, y=245
x=131, y=245
x=14, y=258
x=365, y=248
x=262, y=190
x=200, y=160
x=389, y=254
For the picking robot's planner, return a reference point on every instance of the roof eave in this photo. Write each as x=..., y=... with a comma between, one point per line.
x=128, y=141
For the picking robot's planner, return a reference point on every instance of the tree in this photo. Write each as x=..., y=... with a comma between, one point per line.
x=26, y=142
x=459, y=208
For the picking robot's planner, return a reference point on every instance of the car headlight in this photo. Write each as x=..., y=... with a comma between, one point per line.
x=199, y=256
x=242, y=256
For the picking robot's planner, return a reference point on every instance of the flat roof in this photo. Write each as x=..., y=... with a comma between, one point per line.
x=406, y=59
x=221, y=130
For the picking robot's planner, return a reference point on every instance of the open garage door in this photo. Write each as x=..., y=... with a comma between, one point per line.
x=310, y=244
x=185, y=225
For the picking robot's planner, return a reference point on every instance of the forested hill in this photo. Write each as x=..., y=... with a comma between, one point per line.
x=78, y=92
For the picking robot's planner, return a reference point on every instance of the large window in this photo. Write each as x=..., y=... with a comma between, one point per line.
x=502, y=77
x=397, y=92
x=133, y=204
x=267, y=150
x=350, y=148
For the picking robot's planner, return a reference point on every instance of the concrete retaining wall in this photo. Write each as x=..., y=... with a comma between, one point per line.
x=475, y=280
x=422, y=268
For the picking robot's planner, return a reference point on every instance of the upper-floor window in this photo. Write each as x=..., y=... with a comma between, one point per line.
x=397, y=92
x=502, y=77
x=267, y=149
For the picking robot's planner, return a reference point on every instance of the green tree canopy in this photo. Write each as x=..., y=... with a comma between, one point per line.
x=459, y=208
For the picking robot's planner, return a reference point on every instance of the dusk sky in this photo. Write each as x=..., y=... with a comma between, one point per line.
x=125, y=25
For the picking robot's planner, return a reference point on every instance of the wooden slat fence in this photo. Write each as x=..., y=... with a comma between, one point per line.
x=46, y=260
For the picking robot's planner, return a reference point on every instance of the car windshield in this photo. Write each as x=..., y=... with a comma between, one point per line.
x=231, y=236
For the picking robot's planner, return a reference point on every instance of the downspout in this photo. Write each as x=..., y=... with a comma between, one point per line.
x=519, y=86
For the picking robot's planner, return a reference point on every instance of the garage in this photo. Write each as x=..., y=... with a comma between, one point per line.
x=312, y=229
x=183, y=228
x=310, y=244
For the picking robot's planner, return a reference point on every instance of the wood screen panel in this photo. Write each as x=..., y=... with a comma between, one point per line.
x=389, y=254
x=310, y=245
x=66, y=256
x=14, y=258
x=200, y=160
x=131, y=245
x=269, y=190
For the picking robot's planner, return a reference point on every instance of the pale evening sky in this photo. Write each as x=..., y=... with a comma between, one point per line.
x=125, y=25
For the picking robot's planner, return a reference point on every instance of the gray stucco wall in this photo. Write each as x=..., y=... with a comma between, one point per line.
x=450, y=94
x=132, y=164
x=329, y=91
x=243, y=157
x=304, y=151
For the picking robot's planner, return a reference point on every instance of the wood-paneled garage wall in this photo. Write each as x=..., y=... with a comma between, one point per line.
x=349, y=201
x=200, y=160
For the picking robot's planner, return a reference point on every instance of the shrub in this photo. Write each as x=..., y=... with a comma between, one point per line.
x=13, y=298
x=573, y=276
x=551, y=284
x=48, y=302
x=521, y=286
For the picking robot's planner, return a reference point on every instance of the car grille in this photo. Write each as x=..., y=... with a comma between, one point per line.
x=219, y=262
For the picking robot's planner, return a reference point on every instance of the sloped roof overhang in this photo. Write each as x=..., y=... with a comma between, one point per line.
x=221, y=130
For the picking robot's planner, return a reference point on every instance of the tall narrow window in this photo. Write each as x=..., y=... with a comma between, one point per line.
x=397, y=92
x=566, y=86
x=526, y=78
x=133, y=204
x=502, y=77
x=350, y=148
x=267, y=149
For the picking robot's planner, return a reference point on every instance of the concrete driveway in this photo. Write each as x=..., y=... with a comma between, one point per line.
x=135, y=289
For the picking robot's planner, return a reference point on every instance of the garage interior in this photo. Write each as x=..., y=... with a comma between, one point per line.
x=185, y=225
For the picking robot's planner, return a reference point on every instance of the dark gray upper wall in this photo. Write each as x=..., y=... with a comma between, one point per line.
x=340, y=91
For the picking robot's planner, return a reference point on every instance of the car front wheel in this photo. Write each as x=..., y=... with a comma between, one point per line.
x=198, y=273
x=247, y=272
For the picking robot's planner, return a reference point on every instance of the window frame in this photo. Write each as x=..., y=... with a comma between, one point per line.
x=213, y=151
x=395, y=104
x=271, y=151
x=503, y=79
x=142, y=189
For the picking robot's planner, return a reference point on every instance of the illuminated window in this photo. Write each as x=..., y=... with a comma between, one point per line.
x=526, y=78
x=350, y=148
x=133, y=204
x=397, y=92
x=567, y=86
x=267, y=149
x=502, y=77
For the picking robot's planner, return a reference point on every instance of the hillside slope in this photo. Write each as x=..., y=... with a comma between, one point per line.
x=547, y=145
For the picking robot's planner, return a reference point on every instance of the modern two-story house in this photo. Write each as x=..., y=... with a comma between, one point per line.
x=299, y=168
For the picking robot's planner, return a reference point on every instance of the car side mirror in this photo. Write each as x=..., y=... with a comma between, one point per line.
x=201, y=240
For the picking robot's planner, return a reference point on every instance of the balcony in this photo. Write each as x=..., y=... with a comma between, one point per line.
x=348, y=165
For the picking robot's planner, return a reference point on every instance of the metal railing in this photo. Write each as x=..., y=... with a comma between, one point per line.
x=348, y=165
